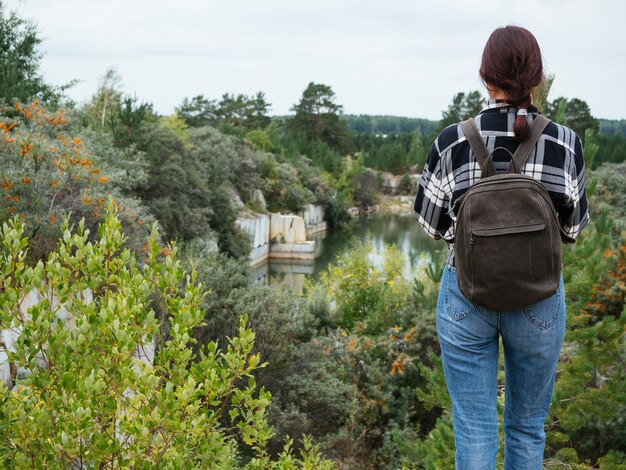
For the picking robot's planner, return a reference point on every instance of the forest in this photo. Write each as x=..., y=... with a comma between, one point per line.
x=125, y=219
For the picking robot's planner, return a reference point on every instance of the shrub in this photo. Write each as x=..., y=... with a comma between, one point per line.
x=85, y=399
x=49, y=171
x=405, y=186
x=364, y=293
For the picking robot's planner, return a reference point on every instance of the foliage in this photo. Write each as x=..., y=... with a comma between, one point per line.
x=20, y=79
x=274, y=313
x=611, y=149
x=359, y=183
x=317, y=396
x=224, y=278
x=364, y=293
x=222, y=163
x=394, y=153
x=195, y=177
x=310, y=459
x=234, y=113
x=589, y=394
x=336, y=210
x=315, y=180
x=463, y=106
x=123, y=116
x=388, y=125
x=302, y=379
x=406, y=185
x=99, y=113
x=260, y=139
x=241, y=111
x=131, y=116
x=103, y=406
x=49, y=171
x=366, y=188
x=375, y=295
x=176, y=124
x=282, y=186
x=434, y=453
x=317, y=118
x=198, y=111
x=418, y=149
x=577, y=114
x=172, y=190
x=349, y=387
x=380, y=330
x=590, y=149
x=540, y=94
x=195, y=181
x=607, y=183
x=322, y=155
x=611, y=127
x=88, y=398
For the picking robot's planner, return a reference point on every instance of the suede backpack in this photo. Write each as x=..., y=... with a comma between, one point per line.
x=507, y=242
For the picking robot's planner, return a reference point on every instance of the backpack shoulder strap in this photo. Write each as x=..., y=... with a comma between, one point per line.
x=478, y=147
x=523, y=150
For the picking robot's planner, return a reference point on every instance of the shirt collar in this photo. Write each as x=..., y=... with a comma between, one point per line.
x=495, y=104
x=499, y=104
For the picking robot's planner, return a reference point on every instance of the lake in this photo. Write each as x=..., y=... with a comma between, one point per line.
x=398, y=229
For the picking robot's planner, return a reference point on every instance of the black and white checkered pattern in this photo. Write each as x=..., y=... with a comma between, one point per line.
x=556, y=161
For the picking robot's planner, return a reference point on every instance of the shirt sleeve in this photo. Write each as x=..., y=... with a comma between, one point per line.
x=574, y=213
x=431, y=203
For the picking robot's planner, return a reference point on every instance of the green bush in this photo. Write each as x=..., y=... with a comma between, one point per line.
x=365, y=293
x=84, y=398
x=405, y=186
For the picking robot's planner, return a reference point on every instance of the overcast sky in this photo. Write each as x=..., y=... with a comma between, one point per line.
x=404, y=58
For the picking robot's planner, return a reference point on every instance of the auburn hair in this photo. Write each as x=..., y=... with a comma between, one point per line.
x=512, y=62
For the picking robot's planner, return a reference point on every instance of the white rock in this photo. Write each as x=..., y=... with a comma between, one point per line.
x=259, y=199
x=257, y=227
x=313, y=215
x=287, y=228
x=235, y=199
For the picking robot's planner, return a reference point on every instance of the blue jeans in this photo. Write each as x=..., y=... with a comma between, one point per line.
x=469, y=337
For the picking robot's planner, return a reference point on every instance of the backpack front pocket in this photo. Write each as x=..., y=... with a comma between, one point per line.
x=494, y=232
x=509, y=262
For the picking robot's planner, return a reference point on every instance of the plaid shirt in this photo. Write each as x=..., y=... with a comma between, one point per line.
x=556, y=161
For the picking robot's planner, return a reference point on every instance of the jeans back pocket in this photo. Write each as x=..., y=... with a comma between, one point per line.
x=457, y=305
x=545, y=313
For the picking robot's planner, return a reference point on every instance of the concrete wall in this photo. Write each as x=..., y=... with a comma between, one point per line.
x=258, y=227
x=287, y=228
x=285, y=236
x=314, y=219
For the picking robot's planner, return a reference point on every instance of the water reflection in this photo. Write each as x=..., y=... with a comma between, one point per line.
x=400, y=230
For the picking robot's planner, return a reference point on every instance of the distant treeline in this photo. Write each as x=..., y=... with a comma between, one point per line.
x=375, y=124
x=610, y=127
x=365, y=124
